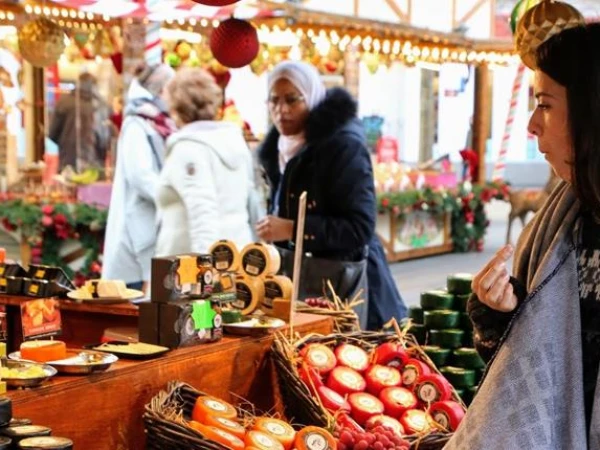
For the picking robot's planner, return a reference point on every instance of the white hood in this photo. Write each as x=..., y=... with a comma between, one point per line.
x=224, y=138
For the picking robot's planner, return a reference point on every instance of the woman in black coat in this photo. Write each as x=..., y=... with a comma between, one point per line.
x=318, y=145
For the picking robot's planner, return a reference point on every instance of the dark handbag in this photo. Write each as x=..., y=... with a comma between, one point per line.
x=346, y=277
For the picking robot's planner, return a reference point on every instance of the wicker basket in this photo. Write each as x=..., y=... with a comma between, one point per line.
x=164, y=420
x=300, y=405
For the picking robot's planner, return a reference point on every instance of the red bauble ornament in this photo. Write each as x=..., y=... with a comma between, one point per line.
x=216, y=2
x=234, y=43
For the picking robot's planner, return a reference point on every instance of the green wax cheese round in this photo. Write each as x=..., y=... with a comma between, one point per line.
x=459, y=377
x=416, y=313
x=447, y=338
x=436, y=299
x=419, y=332
x=459, y=284
x=460, y=302
x=439, y=356
x=467, y=358
x=441, y=319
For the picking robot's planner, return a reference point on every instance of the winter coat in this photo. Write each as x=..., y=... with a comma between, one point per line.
x=131, y=229
x=94, y=132
x=206, y=190
x=334, y=168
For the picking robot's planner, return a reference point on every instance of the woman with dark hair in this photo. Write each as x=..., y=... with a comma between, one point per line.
x=318, y=145
x=540, y=328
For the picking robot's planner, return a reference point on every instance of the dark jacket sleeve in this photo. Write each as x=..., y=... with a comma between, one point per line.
x=489, y=325
x=57, y=124
x=350, y=221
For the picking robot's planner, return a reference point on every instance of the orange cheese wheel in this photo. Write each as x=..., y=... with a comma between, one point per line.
x=218, y=435
x=314, y=438
x=43, y=351
x=231, y=426
x=280, y=430
x=209, y=406
x=262, y=441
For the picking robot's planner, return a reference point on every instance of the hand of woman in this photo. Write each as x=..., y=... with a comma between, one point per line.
x=275, y=229
x=491, y=284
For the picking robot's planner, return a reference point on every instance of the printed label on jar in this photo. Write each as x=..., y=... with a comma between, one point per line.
x=254, y=262
x=223, y=257
x=428, y=392
x=275, y=428
x=410, y=375
x=315, y=441
x=442, y=418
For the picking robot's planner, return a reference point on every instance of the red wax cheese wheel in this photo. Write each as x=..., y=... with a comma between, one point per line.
x=391, y=354
x=314, y=438
x=262, y=441
x=397, y=400
x=413, y=370
x=344, y=380
x=344, y=421
x=231, y=426
x=311, y=377
x=381, y=377
x=331, y=400
x=415, y=421
x=43, y=351
x=209, y=406
x=280, y=430
x=320, y=357
x=364, y=406
x=386, y=422
x=218, y=435
x=448, y=414
x=433, y=388
x=352, y=356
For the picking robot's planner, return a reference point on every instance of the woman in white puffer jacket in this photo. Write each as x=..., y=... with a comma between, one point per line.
x=206, y=190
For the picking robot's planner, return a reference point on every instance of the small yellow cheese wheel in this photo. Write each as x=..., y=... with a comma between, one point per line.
x=277, y=286
x=226, y=257
x=260, y=260
x=250, y=294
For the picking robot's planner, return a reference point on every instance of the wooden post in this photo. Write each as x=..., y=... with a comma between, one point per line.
x=352, y=70
x=35, y=114
x=482, y=116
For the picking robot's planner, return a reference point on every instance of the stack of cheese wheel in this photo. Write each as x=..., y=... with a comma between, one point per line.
x=276, y=287
x=443, y=323
x=260, y=260
x=226, y=257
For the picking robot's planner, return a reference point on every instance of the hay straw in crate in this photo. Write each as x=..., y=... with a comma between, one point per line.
x=345, y=319
x=303, y=408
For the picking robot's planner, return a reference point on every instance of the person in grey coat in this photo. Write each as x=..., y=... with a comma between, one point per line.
x=539, y=329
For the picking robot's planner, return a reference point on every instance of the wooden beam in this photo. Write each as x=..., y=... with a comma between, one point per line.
x=482, y=116
x=493, y=7
x=397, y=10
x=356, y=7
x=409, y=11
x=472, y=11
x=454, y=21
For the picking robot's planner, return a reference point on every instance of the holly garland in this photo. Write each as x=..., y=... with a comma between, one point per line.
x=465, y=203
x=45, y=227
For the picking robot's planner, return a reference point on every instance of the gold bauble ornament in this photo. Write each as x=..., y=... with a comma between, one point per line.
x=41, y=42
x=540, y=23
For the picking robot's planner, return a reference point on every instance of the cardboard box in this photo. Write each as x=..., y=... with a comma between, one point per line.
x=180, y=325
x=175, y=278
x=149, y=322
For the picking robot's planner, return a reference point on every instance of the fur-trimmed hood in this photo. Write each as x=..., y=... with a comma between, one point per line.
x=334, y=112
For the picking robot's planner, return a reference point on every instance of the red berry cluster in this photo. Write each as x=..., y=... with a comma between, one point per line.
x=377, y=438
x=318, y=302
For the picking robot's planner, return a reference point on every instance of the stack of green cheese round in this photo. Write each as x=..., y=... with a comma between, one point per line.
x=459, y=378
x=441, y=319
x=439, y=356
x=459, y=284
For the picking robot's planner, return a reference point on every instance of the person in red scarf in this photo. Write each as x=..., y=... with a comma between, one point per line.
x=131, y=228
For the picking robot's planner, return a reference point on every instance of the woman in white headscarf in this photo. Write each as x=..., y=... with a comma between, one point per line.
x=131, y=228
x=318, y=145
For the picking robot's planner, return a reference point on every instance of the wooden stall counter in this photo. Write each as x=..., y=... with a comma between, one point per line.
x=104, y=411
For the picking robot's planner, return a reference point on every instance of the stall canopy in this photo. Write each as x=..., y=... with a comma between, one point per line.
x=163, y=10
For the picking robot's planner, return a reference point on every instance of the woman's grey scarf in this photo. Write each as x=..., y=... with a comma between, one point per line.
x=532, y=394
